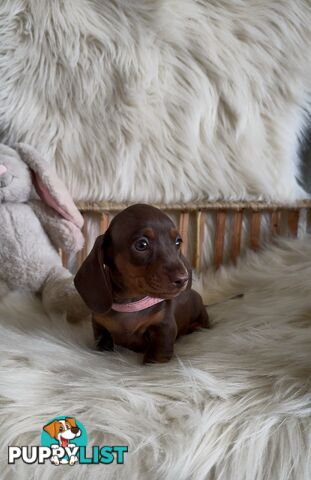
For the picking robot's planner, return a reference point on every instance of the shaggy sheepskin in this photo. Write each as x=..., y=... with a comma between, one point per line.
x=234, y=403
x=132, y=99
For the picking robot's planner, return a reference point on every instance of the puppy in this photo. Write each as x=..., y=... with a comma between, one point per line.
x=137, y=284
x=63, y=431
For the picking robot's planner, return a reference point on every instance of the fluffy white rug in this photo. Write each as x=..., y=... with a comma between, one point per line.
x=234, y=403
x=132, y=99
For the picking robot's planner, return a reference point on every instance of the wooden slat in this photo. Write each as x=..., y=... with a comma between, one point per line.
x=195, y=206
x=183, y=230
x=281, y=215
x=276, y=222
x=82, y=254
x=220, y=237
x=255, y=230
x=104, y=222
x=200, y=220
x=293, y=220
x=308, y=220
x=65, y=258
x=236, y=235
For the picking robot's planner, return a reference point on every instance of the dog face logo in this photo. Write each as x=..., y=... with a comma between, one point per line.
x=63, y=434
x=63, y=430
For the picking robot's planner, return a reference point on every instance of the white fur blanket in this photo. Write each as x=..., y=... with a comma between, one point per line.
x=157, y=100
x=234, y=403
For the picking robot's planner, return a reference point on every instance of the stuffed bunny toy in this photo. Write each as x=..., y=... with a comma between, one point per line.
x=37, y=218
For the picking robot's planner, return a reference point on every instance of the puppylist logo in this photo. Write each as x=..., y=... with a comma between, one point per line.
x=63, y=442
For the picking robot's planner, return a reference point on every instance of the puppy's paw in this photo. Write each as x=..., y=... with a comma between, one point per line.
x=157, y=358
x=104, y=346
x=73, y=460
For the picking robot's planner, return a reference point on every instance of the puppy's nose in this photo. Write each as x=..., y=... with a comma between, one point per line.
x=3, y=169
x=180, y=279
x=74, y=429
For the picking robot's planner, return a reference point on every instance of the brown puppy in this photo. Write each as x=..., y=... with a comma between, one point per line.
x=137, y=284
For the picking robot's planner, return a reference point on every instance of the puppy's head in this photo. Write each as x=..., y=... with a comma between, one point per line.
x=63, y=430
x=138, y=255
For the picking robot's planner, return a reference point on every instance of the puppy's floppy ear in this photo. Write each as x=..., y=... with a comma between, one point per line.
x=51, y=429
x=71, y=421
x=93, y=280
x=189, y=270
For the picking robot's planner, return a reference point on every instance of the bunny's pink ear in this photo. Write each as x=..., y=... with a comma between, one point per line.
x=48, y=186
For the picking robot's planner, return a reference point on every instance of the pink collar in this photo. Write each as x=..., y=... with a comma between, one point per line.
x=137, y=306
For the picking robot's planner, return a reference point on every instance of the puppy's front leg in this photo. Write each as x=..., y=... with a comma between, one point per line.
x=103, y=338
x=161, y=342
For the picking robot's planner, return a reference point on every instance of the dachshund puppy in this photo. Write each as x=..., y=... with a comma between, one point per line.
x=137, y=284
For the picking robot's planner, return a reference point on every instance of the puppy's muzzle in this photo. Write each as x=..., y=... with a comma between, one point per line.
x=179, y=280
x=75, y=430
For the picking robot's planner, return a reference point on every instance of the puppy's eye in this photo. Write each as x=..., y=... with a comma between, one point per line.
x=61, y=429
x=141, y=244
x=178, y=241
